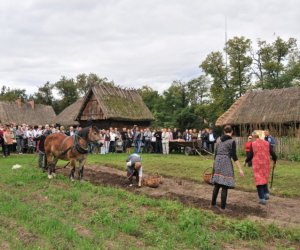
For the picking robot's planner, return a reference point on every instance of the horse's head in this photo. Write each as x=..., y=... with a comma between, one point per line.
x=94, y=135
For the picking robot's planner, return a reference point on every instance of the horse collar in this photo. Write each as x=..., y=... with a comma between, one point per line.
x=77, y=145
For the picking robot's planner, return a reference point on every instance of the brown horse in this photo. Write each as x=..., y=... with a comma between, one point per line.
x=70, y=148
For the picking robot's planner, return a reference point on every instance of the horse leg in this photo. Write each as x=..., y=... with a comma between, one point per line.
x=72, y=163
x=81, y=168
x=49, y=165
x=54, y=162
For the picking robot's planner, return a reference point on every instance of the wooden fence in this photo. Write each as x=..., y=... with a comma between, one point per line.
x=284, y=146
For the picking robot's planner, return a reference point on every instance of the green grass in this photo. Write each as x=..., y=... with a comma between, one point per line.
x=40, y=214
x=193, y=167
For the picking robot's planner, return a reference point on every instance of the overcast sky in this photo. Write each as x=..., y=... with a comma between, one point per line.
x=131, y=42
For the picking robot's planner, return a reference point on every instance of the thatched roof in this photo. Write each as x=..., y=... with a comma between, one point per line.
x=68, y=115
x=118, y=104
x=275, y=106
x=31, y=114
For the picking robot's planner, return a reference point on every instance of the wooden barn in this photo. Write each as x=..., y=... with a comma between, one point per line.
x=68, y=115
x=277, y=110
x=107, y=106
x=28, y=113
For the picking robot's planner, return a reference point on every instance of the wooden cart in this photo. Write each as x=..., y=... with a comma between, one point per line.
x=188, y=147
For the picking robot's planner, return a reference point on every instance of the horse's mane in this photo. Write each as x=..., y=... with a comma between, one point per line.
x=83, y=133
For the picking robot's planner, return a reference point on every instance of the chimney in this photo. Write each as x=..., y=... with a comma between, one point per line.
x=19, y=102
x=31, y=102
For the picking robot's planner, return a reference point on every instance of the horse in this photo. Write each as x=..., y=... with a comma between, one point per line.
x=73, y=148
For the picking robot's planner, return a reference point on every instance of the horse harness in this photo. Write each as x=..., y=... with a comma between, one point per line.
x=76, y=146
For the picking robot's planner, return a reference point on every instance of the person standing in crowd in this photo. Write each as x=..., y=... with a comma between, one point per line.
x=134, y=168
x=30, y=142
x=194, y=135
x=157, y=135
x=38, y=133
x=223, y=172
x=71, y=131
x=137, y=140
x=247, y=149
x=211, y=140
x=260, y=152
x=269, y=138
x=106, y=141
x=186, y=135
x=123, y=137
x=129, y=138
x=204, y=138
x=147, y=140
x=20, y=139
x=14, y=129
x=112, y=136
x=41, y=137
x=175, y=134
x=8, y=141
x=153, y=141
x=165, y=136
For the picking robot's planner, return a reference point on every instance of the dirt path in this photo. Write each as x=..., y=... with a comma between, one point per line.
x=282, y=211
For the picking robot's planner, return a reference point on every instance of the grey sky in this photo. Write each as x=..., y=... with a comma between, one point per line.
x=132, y=42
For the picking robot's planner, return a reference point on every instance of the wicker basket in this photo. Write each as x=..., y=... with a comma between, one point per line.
x=207, y=176
x=152, y=180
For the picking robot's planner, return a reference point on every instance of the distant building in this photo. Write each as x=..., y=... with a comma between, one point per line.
x=29, y=113
x=277, y=110
x=68, y=115
x=108, y=106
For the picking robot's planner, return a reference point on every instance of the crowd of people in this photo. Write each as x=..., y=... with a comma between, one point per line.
x=152, y=140
x=25, y=138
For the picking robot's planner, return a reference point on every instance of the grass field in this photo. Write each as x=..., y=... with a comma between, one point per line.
x=40, y=214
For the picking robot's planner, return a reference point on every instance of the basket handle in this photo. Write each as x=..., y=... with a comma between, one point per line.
x=206, y=170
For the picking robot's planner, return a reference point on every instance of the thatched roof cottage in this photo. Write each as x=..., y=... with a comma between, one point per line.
x=29, y=113
x=108, y=106
x=277, y=110
x=68, y=115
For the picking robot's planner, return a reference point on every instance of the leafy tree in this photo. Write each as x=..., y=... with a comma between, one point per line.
x=238, y=50
x=84, y=82
x=214, y=66
x=8, y=94
x=197, y=90
x=44, y=94
x=67, y=89
x=275, y=65
x=154, y=101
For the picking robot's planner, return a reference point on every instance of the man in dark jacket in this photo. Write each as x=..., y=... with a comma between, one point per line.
x=41, y=139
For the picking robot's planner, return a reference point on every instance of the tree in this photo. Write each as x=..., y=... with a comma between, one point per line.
x=214, y=66
x=44, y=94
x=8, y=94
x=275, y=65
x=84, y=82
x=67, y=89
x=238, y=50
x=197, y=90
